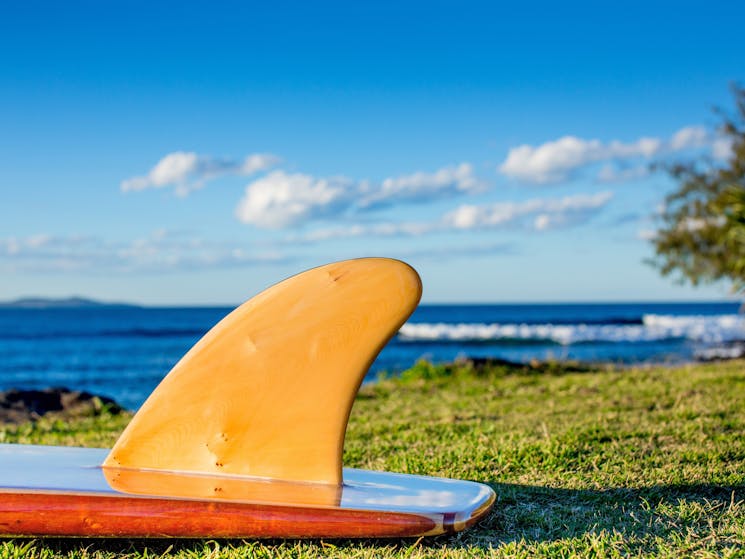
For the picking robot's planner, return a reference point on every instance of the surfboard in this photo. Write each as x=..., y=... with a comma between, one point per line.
x=244, y=436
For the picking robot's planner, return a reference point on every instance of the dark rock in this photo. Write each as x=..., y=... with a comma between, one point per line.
x=20, y=406
x=483, y=362
x=535, y=366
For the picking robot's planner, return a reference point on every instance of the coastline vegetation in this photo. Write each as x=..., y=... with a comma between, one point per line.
x=584, y=461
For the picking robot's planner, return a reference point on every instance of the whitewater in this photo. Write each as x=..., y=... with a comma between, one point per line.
x=710, y=329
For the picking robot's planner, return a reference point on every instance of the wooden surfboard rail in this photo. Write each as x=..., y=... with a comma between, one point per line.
x=95, y=516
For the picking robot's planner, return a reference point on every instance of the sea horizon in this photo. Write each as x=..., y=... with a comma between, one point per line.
x=74, y=301
x=123, y=351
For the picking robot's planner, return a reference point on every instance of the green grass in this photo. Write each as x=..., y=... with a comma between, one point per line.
x=588, y=463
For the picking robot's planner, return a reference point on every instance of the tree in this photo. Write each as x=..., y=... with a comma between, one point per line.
x=702, y=232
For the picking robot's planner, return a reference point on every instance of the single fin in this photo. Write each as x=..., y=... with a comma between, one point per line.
x=268, y=391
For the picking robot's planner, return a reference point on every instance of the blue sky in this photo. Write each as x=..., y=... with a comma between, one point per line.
x=192, y=153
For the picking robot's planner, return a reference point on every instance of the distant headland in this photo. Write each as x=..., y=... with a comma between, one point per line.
x=58, y=303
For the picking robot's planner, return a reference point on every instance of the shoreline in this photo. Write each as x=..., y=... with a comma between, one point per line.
x=20, y=405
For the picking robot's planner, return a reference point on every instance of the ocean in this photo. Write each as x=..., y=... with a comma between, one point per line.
x=123, y=352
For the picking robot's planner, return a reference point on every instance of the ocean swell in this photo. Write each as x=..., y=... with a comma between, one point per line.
x=710, y=329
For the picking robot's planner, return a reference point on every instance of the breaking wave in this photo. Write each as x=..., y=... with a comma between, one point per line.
x=710, y=329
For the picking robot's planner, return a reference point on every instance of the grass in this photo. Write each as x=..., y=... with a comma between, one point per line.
x=607, y=463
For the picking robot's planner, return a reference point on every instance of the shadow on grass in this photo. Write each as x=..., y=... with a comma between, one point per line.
x=522, y=513
x=541, y=514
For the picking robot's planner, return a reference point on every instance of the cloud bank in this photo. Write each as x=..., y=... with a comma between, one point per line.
x=538, y=214
x=161, y=251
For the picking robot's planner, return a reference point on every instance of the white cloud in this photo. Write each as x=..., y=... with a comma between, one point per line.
x=613, y=173
x=688, y=224
x=280, y=199
x=421, y=186
x=694, y=224
x=471, y=216
x=550, y=162
x=689, y=137
x=457, y=251
x=257, y=162
x=539, y=213
x=722, y=149
x=558, y=160
x=162, y=251
x=383, y=229
x=187, y=171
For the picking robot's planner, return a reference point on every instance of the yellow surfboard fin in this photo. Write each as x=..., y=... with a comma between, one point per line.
x=268, y=391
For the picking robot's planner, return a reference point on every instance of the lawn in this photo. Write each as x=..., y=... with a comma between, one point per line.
x=599, y=462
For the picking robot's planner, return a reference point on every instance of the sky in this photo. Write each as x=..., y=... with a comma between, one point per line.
x=178, y=153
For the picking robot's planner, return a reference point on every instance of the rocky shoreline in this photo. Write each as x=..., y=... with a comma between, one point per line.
x=21, y=406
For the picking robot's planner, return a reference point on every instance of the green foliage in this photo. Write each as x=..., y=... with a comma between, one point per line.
x=491, y=367
x=702, y=236
x=598, y=463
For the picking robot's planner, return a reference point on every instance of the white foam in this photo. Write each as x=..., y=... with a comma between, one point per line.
x=699, y=328
x=720, y=352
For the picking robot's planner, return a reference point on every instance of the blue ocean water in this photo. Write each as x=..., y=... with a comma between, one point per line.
x=123, y=352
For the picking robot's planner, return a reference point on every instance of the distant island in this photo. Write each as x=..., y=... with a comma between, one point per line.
x=57, y=303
